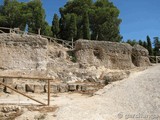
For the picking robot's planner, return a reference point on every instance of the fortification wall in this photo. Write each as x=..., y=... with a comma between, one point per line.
x=112, y=55
x=18, y=52
x=140, y=56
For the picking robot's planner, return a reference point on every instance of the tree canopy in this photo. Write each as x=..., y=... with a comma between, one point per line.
x=102, y=19
x=55, y=26
x=15, y=14
x=149, y=45
x=87, y=19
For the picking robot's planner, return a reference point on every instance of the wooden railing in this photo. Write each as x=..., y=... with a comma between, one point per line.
x=65, y=43
x=30, y=78
x=154, y=59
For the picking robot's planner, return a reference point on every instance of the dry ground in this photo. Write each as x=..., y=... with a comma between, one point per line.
x=134, y=98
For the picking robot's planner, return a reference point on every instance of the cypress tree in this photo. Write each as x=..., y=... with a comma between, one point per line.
x=156, y=47
x=149, y=45
x=55, y=25
x=72, y=27
x=140, y=42
x=145, y=44
x=86, y=31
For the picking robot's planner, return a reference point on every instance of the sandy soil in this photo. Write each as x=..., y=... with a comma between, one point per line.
x=134, y=98
x=137, y=97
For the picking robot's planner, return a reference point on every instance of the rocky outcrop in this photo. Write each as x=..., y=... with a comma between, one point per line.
x=83, y=69
x=22, y=52
x=140, y=56
x=112, y=55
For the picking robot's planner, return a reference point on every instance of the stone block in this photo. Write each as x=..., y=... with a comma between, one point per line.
x=54, y=88
x=29, y=87
x=20, y=87
x=1, y=86
x=72, y=87
x=39, y=88
x=88, y=87
x=79, y=87
x=63, y=88
x=8, y=82
x=84, y=88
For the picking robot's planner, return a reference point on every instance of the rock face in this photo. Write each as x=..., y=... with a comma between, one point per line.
x=22, y=52
x=140, y=56
x=86, y=68
x=112, y=55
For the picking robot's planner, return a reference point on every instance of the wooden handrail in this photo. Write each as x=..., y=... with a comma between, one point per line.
x=21, y=93
x=18, y=31
x=26, y=77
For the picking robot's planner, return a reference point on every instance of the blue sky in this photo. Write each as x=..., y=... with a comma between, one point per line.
x=139, y=17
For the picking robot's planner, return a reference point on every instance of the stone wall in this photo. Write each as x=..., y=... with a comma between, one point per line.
x=140, y=56
x=112, y=55
x=22, y=52
x=40, y=86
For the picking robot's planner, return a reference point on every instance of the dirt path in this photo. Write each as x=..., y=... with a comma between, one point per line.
x=134, y=98
x=137, y=97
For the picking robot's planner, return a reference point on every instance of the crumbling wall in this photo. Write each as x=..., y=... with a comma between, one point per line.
x=112, y=55
x=140, y=56
x=22, y=52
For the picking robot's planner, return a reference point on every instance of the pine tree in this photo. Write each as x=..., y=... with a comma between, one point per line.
x=145, y=44
x=6, y=2
x=86, y=30
x=103, y=19
x=140, y=42
x=72, y=27
x=36, y=19
x=55, y=26
x=149, y=45
x=156, y=46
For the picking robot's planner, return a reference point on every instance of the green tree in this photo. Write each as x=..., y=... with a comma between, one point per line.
x=105, y=22
x=145, y=44
x=72, y=27
x=156, y=46
x=6, y=2
x=36, y=19
x=13, y=14
x=86, y=30
x=149, y=46
x=103, y=19
x=140, y=42
x=47, y=30
x=131, y=42
x=65, y=27
x=55, y=26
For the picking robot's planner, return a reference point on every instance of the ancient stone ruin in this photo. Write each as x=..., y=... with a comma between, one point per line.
x=112, y=55
x=90, y=66
x=23, y=53
x=140, y=56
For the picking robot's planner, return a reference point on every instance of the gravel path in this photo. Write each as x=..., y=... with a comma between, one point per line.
x=134, y=98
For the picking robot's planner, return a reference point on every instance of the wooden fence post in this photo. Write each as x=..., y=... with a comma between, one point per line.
x=48, y=92
x=156, y=60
